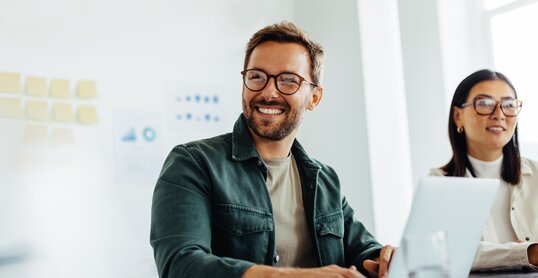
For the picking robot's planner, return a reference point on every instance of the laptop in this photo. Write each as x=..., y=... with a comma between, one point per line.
x=460, y=207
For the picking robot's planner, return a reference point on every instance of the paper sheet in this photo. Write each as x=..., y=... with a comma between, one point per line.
x=138, y=140
x=62, y=112
x=86, y=89
x=37, y=110
x=36, y=134
x=59, y=88
x=10, y=108
x=62, y=136
x=36, y=86
x=87, y=114
x=10, y=82
x=199, y=108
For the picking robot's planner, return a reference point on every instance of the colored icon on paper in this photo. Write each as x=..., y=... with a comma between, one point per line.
x=149, y=134
x=129, y=136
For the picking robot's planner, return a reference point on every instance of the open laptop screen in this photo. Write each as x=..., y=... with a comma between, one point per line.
x=458, y=206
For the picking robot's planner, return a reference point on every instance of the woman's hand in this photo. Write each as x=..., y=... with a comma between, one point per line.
x=532, y=254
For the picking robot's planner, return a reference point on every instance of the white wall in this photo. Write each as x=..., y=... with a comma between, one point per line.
x=464, y=42
x=386, y=114
x=405, y=56
x=335, y=132
x=424, y=85
x=73, y=216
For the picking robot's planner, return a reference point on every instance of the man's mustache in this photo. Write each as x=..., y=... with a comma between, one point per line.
x=270, y=103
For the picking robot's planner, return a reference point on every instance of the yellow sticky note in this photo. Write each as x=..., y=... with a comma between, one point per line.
x=10, y=82
x=37, y=110
x=59, y=88
x=62, y=112
x=36, y=134
x=87, y=114
x=36, y=86
x=86, y=89
x=10, y=107
x=62, y=136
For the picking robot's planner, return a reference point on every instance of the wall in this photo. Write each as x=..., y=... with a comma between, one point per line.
x=387, y=117
x=67, y=204
x=424, y=85
x=335, y=132
x=69, y=214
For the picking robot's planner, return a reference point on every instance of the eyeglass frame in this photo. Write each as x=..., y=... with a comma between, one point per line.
x=497, y=104
x=275, y=78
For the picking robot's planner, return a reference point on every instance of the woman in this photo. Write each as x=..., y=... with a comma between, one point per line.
x=483, y=133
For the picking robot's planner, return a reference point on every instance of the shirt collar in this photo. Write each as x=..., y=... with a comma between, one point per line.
x=525, y=167
x=243, y=147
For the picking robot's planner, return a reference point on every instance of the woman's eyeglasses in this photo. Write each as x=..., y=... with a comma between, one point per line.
x=486, y=106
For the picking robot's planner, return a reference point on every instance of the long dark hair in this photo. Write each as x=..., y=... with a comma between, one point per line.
x=511, y=164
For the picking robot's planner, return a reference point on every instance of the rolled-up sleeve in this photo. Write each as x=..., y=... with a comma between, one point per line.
x=181, y=222
x=510, y=255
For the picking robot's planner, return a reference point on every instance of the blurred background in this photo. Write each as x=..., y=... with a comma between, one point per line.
x=94, y=94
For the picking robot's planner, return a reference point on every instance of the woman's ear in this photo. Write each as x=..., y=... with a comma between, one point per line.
x=458, y=116
x=315, y=98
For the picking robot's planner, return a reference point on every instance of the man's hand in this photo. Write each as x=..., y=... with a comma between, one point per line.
x=320, y=272
x=380, y=266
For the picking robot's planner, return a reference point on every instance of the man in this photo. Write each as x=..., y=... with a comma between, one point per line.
x=252, y=203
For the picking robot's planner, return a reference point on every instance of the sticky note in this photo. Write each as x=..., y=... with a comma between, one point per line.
x=10, y=82
x=87, y=114
x=37, y=110
x=36, y=86
x=10, y=108
x=86, y=89
x=62, y=136
x=59, y=88
x=62, y=112
x=36, y=134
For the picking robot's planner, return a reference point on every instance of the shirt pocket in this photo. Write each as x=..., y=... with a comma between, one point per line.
x=241, y=232
x=330, y=232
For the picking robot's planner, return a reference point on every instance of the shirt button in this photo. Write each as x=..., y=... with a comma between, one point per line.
x=513, y=208
x=527, y=238
x=277, y=258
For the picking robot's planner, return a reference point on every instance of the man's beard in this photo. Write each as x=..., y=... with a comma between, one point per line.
x=281, y=130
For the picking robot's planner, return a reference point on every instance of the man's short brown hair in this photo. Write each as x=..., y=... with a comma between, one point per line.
x=286, y=31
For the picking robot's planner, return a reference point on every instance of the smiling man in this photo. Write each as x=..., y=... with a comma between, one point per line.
x=252, y=203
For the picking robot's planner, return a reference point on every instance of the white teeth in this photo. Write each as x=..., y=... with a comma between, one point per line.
x=495, y=128
x=271, y=111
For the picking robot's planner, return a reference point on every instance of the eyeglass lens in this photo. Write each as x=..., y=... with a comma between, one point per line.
x=486, y=106
x=286, y=83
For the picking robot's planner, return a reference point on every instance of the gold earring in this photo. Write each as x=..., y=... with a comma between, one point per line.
x=459, y=129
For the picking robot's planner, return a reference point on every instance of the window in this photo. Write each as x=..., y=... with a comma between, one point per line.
x=514, y=49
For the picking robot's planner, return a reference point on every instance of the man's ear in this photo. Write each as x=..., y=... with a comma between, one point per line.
x=315, y=98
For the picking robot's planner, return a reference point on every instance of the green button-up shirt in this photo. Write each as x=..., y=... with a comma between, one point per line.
x=212, y=215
